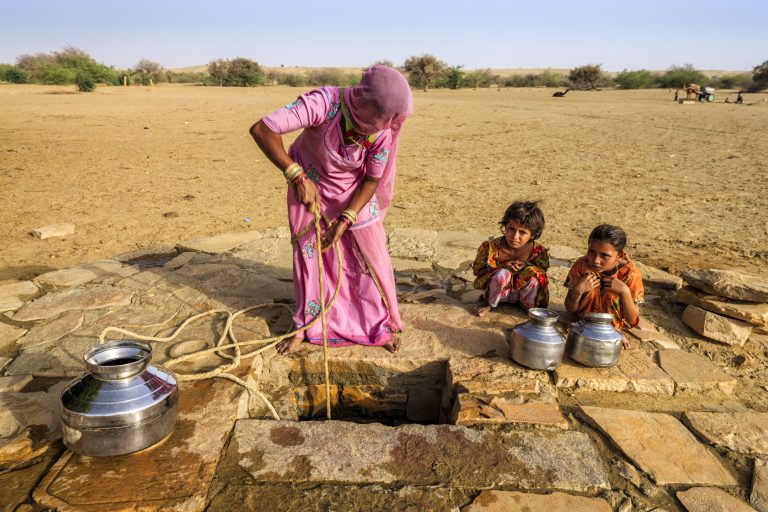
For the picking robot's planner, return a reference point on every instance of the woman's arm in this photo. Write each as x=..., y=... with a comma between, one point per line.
x=271, y=144
x=360, y=198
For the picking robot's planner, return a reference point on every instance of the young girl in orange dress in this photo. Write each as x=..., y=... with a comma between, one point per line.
x=605, y=281
x=513, y=267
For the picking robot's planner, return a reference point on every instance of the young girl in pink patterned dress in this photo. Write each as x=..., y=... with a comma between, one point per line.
x=513, y=267
x=344, y=159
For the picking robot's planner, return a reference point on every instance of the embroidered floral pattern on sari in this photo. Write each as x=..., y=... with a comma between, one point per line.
x=381, y=157
x=313, y=308
x=292, y=105
x=309, y=249
x=312, y=174
x=334, y=110
x=373, y=207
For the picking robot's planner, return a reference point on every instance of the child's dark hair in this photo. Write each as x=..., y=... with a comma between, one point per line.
x=614, y=235
x=528, y=214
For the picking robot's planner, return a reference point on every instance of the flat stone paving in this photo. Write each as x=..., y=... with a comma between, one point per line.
x=508, y=501
x=335, y=452
x=741, y=432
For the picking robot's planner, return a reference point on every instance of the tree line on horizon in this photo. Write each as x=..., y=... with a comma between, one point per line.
x=74, y=66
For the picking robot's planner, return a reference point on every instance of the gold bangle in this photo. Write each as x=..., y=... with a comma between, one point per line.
x=288, y=170
x=293, y=173
x=350, y=214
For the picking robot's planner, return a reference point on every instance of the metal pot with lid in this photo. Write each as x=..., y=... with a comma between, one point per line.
x=594, y=341
x=537, y=344
x=123, y=405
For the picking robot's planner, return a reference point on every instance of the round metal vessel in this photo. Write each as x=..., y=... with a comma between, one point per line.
x=594, y=342
x=122, y=406
x=536, y=343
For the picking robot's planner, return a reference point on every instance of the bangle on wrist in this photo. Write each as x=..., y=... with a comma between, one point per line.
x=344, y=220
x=350, y=214
x=299, y=179
x=292, y=171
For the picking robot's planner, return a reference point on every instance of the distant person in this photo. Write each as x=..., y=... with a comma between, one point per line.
x=513, y=267
x=605, y=281
x=343, y=161
x=727, y=99
x=739, y=99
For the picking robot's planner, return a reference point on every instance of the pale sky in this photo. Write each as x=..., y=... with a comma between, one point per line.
x=649, y=34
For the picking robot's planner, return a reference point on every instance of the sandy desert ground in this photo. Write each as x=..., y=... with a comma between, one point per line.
x=139, y=168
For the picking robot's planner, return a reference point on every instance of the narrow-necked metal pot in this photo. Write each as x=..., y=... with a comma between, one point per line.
x=123, y=405
x=536, y=343
x=594, y=342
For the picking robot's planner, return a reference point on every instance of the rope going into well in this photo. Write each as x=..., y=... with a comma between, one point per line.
x=236, y=359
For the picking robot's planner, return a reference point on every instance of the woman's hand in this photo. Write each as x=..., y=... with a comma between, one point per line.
x=306, y=192
x=586, y=283
x=332, y=235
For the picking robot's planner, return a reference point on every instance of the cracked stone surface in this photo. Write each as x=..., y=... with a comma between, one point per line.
x=727, y=283
x=693, y=373
x=752, y=312
x=54, y=304
x=758, y=497
x=711, y=499
x=743, y=432
x=508, y=501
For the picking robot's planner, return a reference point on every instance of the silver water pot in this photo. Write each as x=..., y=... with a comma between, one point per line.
x=123, y=405
x=594, y=342
x=536, y=343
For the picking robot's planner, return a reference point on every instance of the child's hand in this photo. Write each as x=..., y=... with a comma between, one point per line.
x=515, y=265
x=615, y=285
x=586, y=283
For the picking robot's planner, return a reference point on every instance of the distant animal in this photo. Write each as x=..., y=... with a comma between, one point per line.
x=692, y=90
x=559, y=94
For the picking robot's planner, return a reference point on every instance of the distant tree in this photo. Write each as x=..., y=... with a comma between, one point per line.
x=63, y=66
x=455, y=76
x=640, y=79
x=760, y=75
x=384, y=62
x=244, y=72
x=677, y=76
x=480, y=78
x=586, y=77
x=218, y=70
x=85, y=82
x=423, y=70
x=146, y=70
x=13, y=74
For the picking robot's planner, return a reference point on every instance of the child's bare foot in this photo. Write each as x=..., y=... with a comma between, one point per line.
x=482, y=309
x=287, y=346
x=393, y=345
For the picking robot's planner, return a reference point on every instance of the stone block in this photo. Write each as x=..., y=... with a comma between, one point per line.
x=54, y=304
x=472, y=410
x=272, y=257
x=741, y=432
x=82, y=274
x=13, y=296
x=173, y=475
x=48, y=332
x=277, y=452
x=53, y=231
x=657, y=338
x=693, y=373
x=64, y=358
x=8, y=336
x=311, y=400
x=179, y=261
x=758, y=497
x=564, y=254
x=711, y=499
x=657, y=277
x=415, y=244
x=220, y=243
x=510, y=501
x=729, y=284
x=453, y=259
x=635, y=372
x=16, y=486
x=374, y=400
x=753, y=312
x=498, y=376
x=660, y=446
x=716, y=327
x=14, y=383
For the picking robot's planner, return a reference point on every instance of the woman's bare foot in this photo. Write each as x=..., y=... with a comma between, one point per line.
x=393, y=345
x=482, y=309
x=287, y=346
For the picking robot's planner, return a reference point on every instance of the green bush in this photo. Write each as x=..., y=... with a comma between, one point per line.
x=423, y=70
x=454, y=77
x=641, y=79
x=186, y=77
x=85, y=82
x=548, y=78
x=331, y=76
x=53, y=74
x=737, y=81
x=291, y=79
x=760, y=76
x=63, y=66
x=480, y=78
x=13, y=74
x=589, y=76
x=677, y=76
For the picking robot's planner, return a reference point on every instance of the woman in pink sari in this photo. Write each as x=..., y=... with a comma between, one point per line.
x=344, y=160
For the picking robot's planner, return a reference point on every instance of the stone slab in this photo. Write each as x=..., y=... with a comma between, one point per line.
x=471, y=410
x=56, y=303
x=711, y=499
x=453, y=259
x=81, y=274
x=63, y=358
x=753, y=312
x=14, y=383
x=510, y=501
x=220, y=281
x=498, y=376
x=693, y=373
x=406, y=265
x=717, y=327
x=8, y=336
x=411, y=243
x=657, y=277
x=179, y=261
x=16, y=486
x=4, y=361
x=158, y=252
x=741, y=432
x=660, y=446
x=635, y=372
x=220, y=243
x=51, y=331
x=309, y=452
x=13, y=296
x=271, y=257
x=562, y=252
x=657, y=338
x=173, y=475
x=53, y=231
x=372, y=498
x=727, y=283
x=758, y=497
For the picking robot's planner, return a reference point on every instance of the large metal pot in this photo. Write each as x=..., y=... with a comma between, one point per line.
x=536, y=343
x=594, y=342
x=122, y=406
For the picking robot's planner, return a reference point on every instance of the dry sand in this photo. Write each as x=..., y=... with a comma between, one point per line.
x=687, y=182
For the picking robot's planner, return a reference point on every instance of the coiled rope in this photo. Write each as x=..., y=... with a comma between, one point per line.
x=236, y=359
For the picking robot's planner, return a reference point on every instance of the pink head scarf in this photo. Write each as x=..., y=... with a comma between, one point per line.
x=381, y=100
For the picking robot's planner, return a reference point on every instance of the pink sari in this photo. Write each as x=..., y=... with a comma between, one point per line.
x=365, y=311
